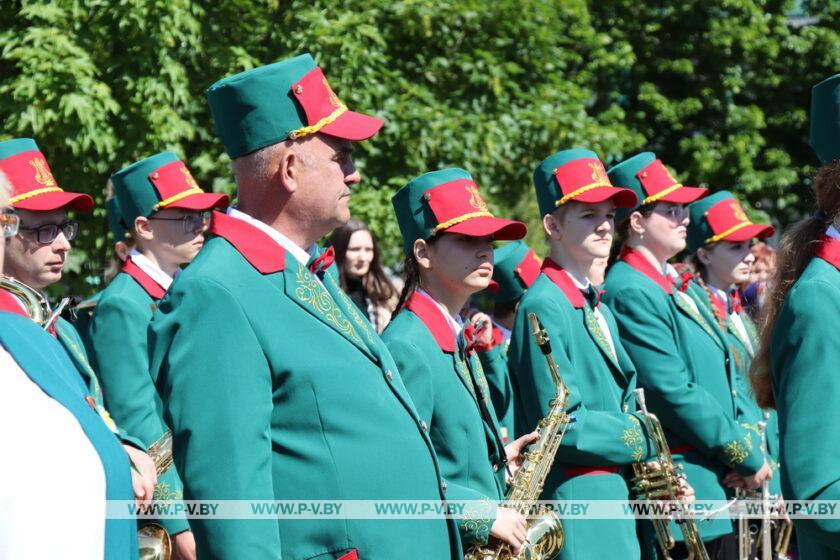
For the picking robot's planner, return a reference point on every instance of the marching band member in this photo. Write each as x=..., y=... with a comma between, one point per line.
x=35, y=257
x=683, y=360
x=578, y=204
x=167, y=215
x=795, y=370
x=447, y=232
x=274, y=385
x=49, y=421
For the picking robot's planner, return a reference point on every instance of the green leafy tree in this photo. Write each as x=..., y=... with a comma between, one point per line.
x=719, y=89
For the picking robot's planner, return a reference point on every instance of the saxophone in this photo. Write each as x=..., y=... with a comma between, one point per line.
x=663, y=482
x=154, y=541
x=545, y=533
x=33, y=301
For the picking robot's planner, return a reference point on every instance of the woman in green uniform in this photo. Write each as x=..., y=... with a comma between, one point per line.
x=167, y=214
x=683, y=360
x=447, y=232
x=795, y=371
x=578, y=205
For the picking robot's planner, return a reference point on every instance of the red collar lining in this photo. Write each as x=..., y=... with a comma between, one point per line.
x=557, y=275
x=155, y=290
x=255, y=245
x=828, y=249
x=638, y=261
x=430, y=314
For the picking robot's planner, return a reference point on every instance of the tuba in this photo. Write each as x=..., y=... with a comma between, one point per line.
x=154, y=541
x=663, y=482
x=35, y=304
x=545, y=533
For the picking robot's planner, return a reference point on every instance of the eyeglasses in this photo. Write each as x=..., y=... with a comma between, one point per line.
x=46, y=233
x=9, y=224
x=674, y=212
x=197, y=221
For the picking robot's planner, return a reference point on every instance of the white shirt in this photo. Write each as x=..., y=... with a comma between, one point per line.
x=602, y=321
x=832, y=232
x=49, y=463
x=150, y=268
x=300, y=254
x=736, y=320
x=455, y=323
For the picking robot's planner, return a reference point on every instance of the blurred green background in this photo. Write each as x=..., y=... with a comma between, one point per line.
x=719, y=89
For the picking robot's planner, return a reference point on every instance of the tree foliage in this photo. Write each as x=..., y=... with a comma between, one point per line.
x=718, y=88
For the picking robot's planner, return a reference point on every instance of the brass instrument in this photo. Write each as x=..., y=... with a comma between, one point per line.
x=33, y=301
x=545, y=533
x=749, y=546
x=154, y=541
x=663, y=481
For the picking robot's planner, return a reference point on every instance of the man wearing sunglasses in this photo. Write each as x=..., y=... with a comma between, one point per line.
x=166, y=214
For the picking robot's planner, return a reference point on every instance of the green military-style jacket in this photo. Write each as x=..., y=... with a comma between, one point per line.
x=684, y=365
x=494, y=362
x=446, y=384
x=594, y=459
x=805, y=353
x=742, y=351
x=117, y=336
x=276, y=388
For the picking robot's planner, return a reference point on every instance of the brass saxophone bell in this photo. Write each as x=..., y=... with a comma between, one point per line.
x=154, y=542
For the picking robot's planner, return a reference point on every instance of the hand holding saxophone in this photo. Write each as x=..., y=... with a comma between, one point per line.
x=510, y=527
x=514, y=452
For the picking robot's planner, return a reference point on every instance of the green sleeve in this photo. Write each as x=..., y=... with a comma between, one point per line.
x=476, y=521
x=683, y=406
x=597, y=437
x=219, y=408
x=495, y=365
x=805, y=357
x=118, y=335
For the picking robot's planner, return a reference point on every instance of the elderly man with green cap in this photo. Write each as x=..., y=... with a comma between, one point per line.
x=274, y=385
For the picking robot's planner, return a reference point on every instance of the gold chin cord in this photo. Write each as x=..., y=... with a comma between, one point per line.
x=662, y=481
x=154, y=541
x=545, y=533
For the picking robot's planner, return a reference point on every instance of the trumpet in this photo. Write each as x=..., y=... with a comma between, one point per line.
x=545, y=533
x=663, y=482
x=749, y=546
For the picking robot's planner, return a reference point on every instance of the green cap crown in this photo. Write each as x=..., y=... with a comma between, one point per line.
x=116, y=225
x=624, y=175
x=17, y=145
x=545, y=183
x=256, y=108
x=414, y=216
x=825, y=119
x=699, y=229
x=506, y=259
x=135, y=193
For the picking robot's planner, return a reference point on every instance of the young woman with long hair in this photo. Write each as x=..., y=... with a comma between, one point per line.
x=796, y=368
x=448, y=234
x=361, y=274
x=684, y=362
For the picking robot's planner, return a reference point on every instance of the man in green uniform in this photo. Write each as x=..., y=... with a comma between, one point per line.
x=273, y=384
x=36, y=256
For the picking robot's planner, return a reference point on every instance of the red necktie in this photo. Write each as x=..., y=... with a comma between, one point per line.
x=323, y=262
